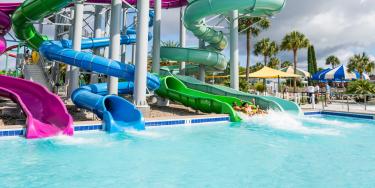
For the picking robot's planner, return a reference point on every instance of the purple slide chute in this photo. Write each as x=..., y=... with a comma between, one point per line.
x=46, y=114
x=5, y=23
x=9, y=8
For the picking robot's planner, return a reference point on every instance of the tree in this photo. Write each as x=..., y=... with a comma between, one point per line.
x=286, y=64
x=314, y=63
x=266, y=48
x=361, y=63
x=256, y=67
x=274, y=63
x=333, y=61
x=293, y=42
x=252, y=26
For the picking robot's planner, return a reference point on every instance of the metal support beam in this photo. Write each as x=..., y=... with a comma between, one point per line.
x=141, y=54
x=98, y=33
x=156, y=41
x=77, y=37
x=114, y=48
x=123, y=47
x=234, y=53
x=202, y=68
x=182, y=39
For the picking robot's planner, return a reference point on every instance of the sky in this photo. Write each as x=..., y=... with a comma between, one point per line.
x=334, y=27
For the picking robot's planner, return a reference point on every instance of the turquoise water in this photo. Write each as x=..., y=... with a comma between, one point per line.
x=272, y=151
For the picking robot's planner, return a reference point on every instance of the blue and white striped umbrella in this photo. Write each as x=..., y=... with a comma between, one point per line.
x=342, y=73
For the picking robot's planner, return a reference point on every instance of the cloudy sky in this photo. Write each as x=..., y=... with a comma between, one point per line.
x=335, y=27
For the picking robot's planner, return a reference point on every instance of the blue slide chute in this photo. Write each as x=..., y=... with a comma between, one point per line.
x=116, y=112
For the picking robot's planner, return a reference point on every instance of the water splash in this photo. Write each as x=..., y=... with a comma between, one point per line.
x=290, y=123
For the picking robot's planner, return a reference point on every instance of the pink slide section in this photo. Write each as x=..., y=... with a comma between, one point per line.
x=46, y=114
x=5, y=23
x=8, y=8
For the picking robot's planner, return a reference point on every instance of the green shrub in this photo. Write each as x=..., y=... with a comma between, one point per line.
x=259, y=86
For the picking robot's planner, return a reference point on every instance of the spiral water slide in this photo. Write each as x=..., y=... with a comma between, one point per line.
x=117, y=113
x=195, y=13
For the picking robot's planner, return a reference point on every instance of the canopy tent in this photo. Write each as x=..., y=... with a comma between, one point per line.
x=267, y=72
x=342, y=73
x=300, y=72
x=319, y=76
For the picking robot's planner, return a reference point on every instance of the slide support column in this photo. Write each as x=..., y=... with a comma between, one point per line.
x=123, y=47
x=156, y=40
x=141, y=55
x=202, y=68
x=77, y=37
x=114, y=48
x=182, y=39
x=234, y=53
x=98, y=33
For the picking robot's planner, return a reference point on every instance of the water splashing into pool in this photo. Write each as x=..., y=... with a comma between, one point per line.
x=290, y=123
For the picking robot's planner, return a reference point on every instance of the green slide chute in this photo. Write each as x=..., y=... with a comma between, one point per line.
x=32, y=10
x=175, y=90
x=197, y=11
x=264, y=102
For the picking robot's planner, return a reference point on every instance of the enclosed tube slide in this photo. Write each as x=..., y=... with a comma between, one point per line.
x=116, y=112
x=175, y=90
x=5, y=22
x=46, y=114
x=54, y=50
x=108, y=107
x=197, y=11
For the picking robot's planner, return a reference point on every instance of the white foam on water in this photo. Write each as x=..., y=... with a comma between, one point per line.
x=333, y=123
x=74, y=140
x=145, y=133
x=287, y=122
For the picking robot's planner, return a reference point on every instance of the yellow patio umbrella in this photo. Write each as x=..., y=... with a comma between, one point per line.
x=267, y=72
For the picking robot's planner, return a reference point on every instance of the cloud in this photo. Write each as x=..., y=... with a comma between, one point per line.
x=335, y=27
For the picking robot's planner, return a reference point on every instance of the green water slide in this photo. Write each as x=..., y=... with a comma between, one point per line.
x=264, y=102
x=195, y=13
x=173, y=89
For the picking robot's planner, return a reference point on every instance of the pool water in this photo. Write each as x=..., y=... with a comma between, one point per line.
x=272, y=151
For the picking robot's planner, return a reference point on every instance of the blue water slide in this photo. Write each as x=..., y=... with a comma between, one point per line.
x=92, y=43
x=116, y=112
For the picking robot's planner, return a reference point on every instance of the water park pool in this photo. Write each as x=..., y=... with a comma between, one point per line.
x=315, y=151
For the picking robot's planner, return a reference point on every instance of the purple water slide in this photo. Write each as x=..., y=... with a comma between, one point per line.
x=5, y=23
x=46, y=114
x=9, y=8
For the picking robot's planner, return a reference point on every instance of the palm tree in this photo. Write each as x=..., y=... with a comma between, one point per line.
x=266, y=48
x=361, y=63
x=253, y=26
x=286, y=64
x=256, y=67
x=274, y=62
x=333, y=61
x=293, y=42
